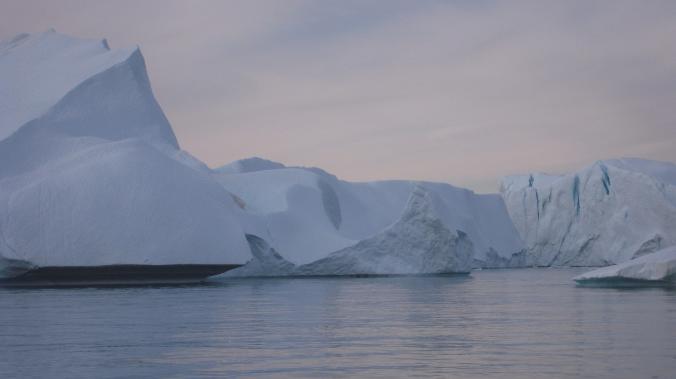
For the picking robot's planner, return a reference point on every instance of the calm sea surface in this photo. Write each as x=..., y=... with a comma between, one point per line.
x=531, y=323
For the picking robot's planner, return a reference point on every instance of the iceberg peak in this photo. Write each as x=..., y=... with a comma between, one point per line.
x=46, y=75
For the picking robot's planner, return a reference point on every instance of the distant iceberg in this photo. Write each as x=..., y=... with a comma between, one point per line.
x=658, y=266
x=607, y=213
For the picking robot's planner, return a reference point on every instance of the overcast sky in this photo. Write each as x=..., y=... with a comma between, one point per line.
x=455, y=91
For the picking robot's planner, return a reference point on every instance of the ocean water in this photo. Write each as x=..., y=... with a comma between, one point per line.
x=529, y=323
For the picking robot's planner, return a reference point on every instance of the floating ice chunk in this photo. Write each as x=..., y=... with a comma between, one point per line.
x=658, y=266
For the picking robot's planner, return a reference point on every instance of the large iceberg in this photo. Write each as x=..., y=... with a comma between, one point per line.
x=653, y=267
x=90, y=170
x=91, y=175
x=607, y=213
x=322, y=225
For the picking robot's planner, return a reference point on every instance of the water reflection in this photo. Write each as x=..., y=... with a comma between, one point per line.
x=494, y=323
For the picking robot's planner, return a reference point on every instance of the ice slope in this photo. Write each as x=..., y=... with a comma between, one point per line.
x=417, y=243
x=607, y=213
x=305, y=213
x=90, y=171
x=658, y=266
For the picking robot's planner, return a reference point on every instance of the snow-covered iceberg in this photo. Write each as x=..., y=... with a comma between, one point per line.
x=316, y=222
x=90, y=169
x=653, y=267
x=607, y=213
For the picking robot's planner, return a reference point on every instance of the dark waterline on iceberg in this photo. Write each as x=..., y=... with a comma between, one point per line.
x=529, y=323
x=121, y=275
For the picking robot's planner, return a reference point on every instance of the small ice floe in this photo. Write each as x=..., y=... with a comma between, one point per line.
x=655, y=268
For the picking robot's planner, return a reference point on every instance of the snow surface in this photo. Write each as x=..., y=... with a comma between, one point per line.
x=90, y=171
x=658, y=266
x=607, y=213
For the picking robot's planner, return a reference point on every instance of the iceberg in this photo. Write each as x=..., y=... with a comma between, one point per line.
x=417, y=243
x=607, y=213
x=654, y=267
x=317, y=222
x=91, y=174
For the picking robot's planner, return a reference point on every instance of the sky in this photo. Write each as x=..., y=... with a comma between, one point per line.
x=456, y=91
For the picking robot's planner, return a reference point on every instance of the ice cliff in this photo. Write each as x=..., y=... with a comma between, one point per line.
x=607, y=213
